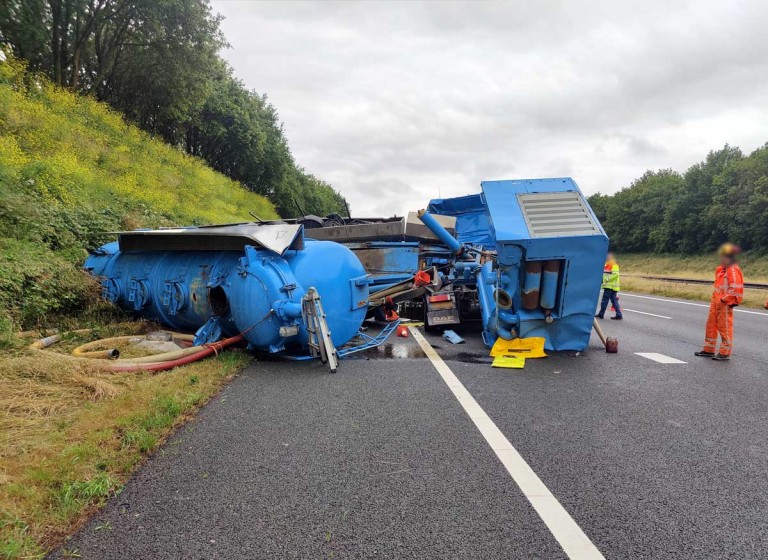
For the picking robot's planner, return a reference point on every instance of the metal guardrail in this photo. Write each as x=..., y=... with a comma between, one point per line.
x=753, y=285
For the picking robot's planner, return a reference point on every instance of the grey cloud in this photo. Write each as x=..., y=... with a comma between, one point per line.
x=394, y=103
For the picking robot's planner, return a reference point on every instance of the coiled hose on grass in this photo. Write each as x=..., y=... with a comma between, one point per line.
x=85, y=350
x=108, y=359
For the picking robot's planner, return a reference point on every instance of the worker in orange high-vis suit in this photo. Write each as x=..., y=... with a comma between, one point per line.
x=728, y=293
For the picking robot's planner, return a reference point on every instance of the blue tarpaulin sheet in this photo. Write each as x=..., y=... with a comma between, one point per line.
x=472, y=224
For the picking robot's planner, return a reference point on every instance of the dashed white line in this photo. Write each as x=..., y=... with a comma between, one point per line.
x=572, y=539
x=645, y=313
x=661, y=358
x=667, y=300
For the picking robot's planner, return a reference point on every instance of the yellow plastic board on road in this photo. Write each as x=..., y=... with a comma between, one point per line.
x=514, y=362
x=527, y=347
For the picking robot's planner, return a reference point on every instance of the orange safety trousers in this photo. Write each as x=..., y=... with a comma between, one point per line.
x=728, y=292
x=719, y=321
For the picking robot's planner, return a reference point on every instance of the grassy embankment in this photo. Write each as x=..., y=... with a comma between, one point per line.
x=755, y=268
x=71, y=169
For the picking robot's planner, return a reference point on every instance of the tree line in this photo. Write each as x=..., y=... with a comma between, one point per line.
x=723, y=198
x=157, y=62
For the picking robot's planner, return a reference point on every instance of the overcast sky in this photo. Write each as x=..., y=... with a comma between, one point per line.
x=398, y=103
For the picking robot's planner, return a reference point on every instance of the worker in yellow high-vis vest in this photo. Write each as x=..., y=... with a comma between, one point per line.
x=611, y=287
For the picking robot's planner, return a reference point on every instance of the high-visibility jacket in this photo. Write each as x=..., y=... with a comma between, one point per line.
x=611, y=277
x=729, y=285
x=728, y=292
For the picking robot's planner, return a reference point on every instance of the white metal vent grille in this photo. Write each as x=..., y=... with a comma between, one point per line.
x=560, y=214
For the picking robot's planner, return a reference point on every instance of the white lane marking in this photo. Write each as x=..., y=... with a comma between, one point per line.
x=661, y=358
x=645, y=313
x=737, y=310
x=572, y=539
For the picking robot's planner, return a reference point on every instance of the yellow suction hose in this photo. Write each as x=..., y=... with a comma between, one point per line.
x=90, y=353
x=85, y=350
x=157, y=362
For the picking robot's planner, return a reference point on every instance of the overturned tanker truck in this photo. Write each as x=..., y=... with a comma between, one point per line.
x=523, y=257
x=283, y=292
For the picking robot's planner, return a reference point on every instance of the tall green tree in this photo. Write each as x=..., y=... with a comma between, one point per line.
x=634, y=216
x=238, y=132
x=723, y=198
x=157, y=62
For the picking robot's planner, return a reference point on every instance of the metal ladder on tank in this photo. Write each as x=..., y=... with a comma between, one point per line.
x=320, y=343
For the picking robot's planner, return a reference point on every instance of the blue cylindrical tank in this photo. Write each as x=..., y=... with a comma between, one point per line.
x=531, y=285
x=549, y=281
x=254, y=290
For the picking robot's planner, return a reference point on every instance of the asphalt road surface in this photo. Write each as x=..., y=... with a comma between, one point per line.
x=660, y=456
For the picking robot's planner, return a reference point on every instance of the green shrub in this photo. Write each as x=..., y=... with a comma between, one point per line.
x=71, y=170
x=36, y=282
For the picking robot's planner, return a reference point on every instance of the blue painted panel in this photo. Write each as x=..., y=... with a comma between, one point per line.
x=387, y=262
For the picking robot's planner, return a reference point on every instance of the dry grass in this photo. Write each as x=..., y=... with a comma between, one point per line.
x=752, y=298
x=70, y=436
x=755, y=267
x=699, y=267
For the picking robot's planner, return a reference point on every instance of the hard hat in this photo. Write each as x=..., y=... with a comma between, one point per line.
x=728, y=250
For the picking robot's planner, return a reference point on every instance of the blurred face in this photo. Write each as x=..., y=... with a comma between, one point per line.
x=610, y=257
x=725, y=260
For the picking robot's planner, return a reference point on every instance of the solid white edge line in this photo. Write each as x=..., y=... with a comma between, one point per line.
x=574, y=542
x=645, y=313
x=737, y=310
x=660, y=358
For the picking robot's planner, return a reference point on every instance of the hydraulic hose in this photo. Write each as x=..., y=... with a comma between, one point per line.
x=206, y=351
